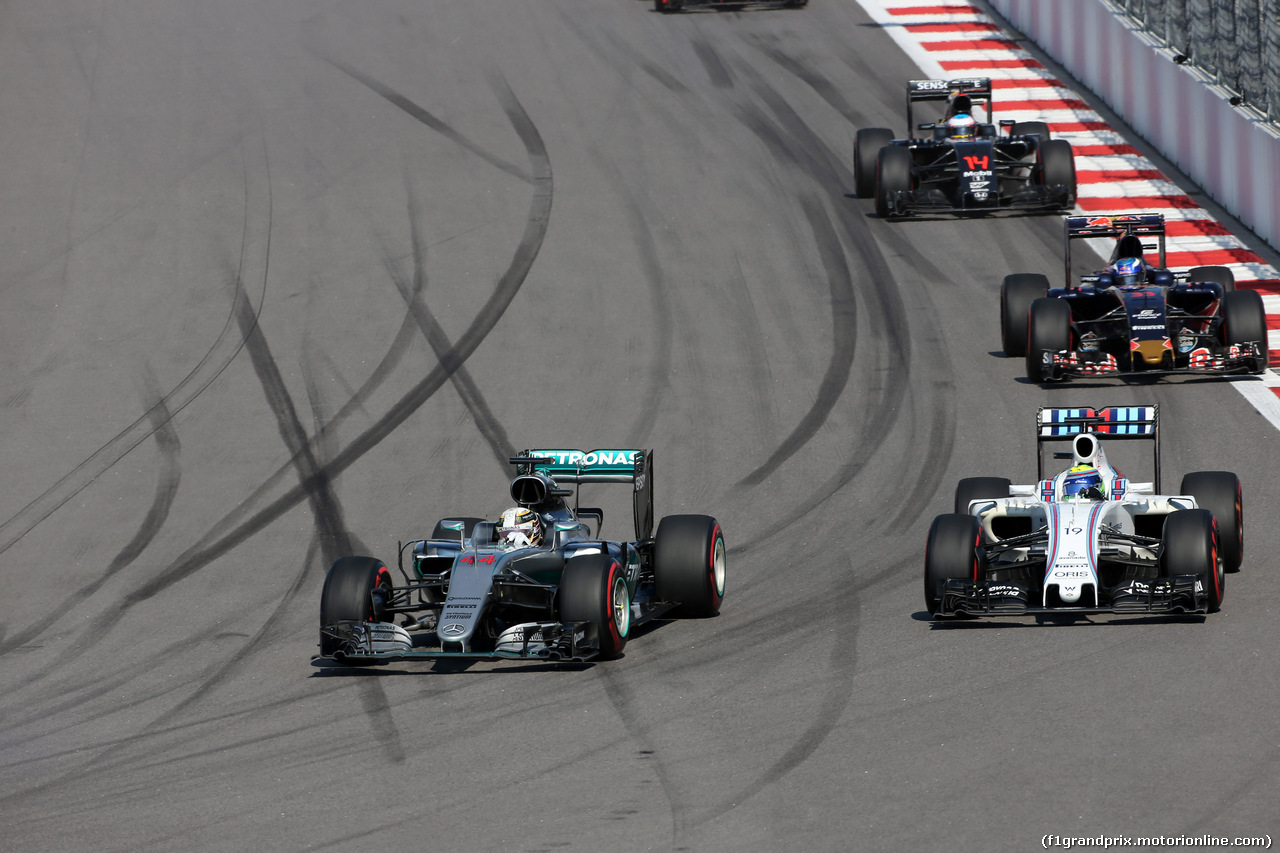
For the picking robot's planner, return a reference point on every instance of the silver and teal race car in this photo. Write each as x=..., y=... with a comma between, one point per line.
x=545, y=588
x=1087, y=540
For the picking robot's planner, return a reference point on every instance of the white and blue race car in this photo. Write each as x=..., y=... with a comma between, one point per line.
x=1087, y=540
x=547, y=587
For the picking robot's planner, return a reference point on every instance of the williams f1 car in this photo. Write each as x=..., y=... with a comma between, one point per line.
x=957, y=165
x=1153, y=321
x=1087, y=540
x=538, y=584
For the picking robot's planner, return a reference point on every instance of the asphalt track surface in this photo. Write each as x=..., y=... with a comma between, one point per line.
x=285, y=281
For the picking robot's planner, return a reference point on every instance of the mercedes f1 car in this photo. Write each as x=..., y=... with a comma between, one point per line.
x=726, y=5
x=1087, y=540
x=956, y=166
x=553, y=590
x=1158, y=322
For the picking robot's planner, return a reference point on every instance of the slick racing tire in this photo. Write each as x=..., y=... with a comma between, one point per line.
x=689, y=564
x=593, y=589
x=1191, y=548
x=951, y=552
x=1219, y=492
x=469, y=526
x=348, y=595
x=866, y=147
x=1218, y=275
x=1017, y=292
x=1245, y=321
x=979, y=488
x=1057, y=168
x=1026, y=128
x=1048, y=330
x=893, y=174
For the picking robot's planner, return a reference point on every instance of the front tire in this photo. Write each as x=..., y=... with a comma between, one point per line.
x=979, y=488
x=1048, y=330
x=348, y=595
x=1220, y=493
x=1017, y=292
x=893, y=175
x=1244, y=321
x=689, y=564
x=593, y=589
x=866, y=147
x=1057, y=168
x=1191, y=548
x=951, y=552
x=1218, y=275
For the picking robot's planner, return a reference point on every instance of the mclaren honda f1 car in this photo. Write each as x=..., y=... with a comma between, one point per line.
x=538, y=584
x=1133, y=317
x=958, y=165
x=726, y=5
x=1087, y=540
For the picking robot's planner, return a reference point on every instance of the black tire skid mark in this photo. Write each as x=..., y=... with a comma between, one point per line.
x=215, y=360
x=167, y=482
x=235, y=529
x=491, y=429
x=420, y=114
x=844, y=337
x=941, y=429
x=716, y=68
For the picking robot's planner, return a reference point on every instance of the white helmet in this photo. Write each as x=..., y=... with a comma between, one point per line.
x=519, y=528
x=961, y=126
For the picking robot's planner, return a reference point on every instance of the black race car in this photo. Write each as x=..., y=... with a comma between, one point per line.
x=958, y=166
x=546, y=588
x=1157, y=321
x=726, y=5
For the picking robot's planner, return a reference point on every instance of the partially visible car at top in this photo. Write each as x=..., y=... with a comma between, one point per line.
x=1134, y=316
x=959, y=164
x=726, y=5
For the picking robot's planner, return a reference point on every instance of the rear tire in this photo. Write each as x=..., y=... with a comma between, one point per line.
x=979, y=488
x=1190, y=547
x=689, y=564
x=348, y=595
x=893, y=174
x=1057, y=168
x=1048, y=330
x=1017, y=292
x=951, y=552
x=593, y=589
x=866, y=147
x=1220, y=493
x=1218, y=275
x=1244, y=320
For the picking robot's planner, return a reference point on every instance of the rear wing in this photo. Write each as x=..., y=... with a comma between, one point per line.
x=978, y=89
x=1116, y=423
x=599, y=466
x=1138, y=225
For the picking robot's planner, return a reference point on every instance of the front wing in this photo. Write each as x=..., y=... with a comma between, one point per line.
x=1237, y=359
x=364, y=643
x=1031, y=198
x=1179, y=594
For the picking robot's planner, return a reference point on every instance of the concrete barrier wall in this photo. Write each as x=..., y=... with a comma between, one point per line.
x=1234, y=157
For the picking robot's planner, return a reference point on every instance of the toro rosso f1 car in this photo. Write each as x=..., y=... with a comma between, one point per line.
x=1150, y=320
x=1087, y=540
x=547, y=588
x=958, y=165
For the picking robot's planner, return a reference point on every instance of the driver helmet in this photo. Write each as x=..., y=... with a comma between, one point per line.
x=1127, y=272
x=961, y=126
x=519, y=528
x=1083, y=483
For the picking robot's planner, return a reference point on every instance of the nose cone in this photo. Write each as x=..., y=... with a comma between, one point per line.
x=1151, y=352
